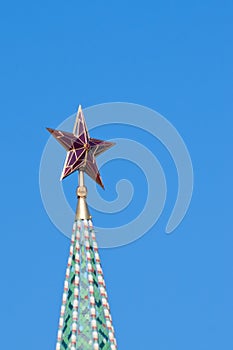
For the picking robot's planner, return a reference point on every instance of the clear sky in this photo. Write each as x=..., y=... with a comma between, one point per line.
x=166, y=292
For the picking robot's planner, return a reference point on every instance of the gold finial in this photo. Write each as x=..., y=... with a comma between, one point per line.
x=82, y=211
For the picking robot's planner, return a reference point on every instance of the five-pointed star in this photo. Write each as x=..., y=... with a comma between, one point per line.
x=81, y=149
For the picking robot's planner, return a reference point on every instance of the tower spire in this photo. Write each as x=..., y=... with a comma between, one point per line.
x=85, y=320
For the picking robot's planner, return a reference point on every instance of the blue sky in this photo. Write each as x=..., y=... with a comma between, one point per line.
x=166, y=292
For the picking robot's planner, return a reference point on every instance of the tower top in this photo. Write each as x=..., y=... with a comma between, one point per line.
x=85, y=320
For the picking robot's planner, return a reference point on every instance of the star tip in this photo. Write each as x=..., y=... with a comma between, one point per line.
x=79, y=108
x=100, y=183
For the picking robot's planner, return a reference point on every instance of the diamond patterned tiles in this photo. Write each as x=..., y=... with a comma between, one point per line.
x=85, y=321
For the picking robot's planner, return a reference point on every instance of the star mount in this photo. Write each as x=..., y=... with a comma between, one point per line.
x=81, y=149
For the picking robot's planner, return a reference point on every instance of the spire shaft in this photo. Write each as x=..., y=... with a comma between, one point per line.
x=81, y=178
x=82, y=211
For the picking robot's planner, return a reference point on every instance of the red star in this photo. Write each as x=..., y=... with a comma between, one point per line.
x=81, y=149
